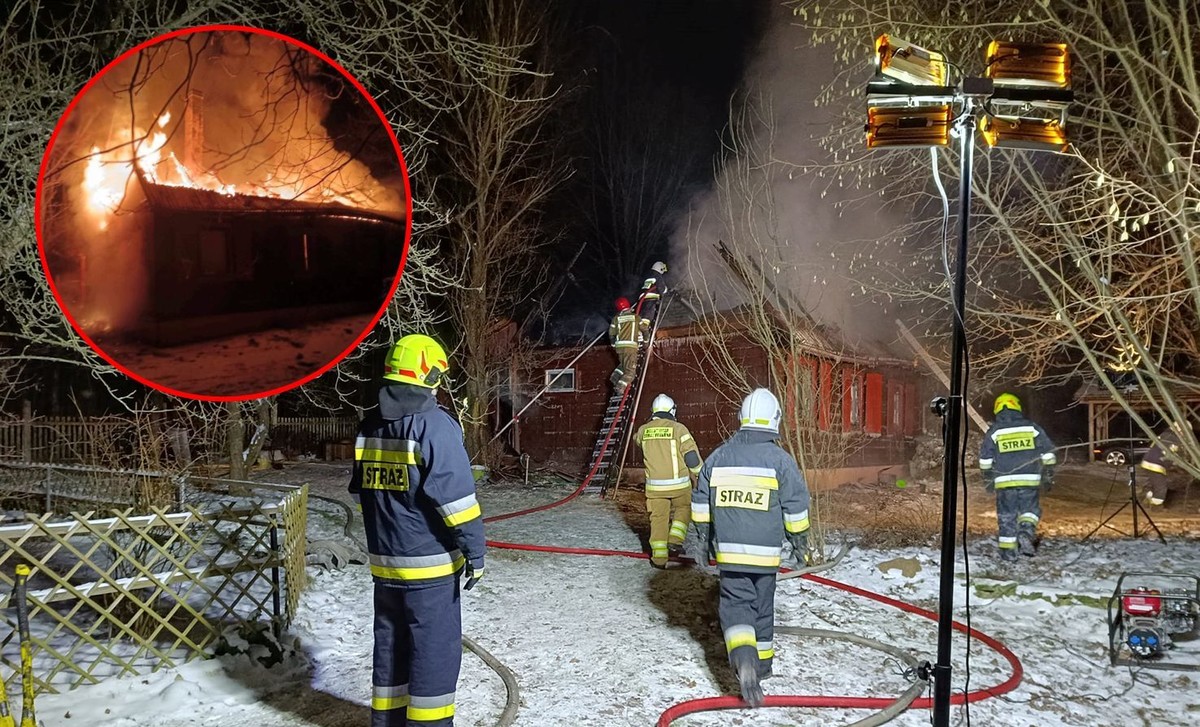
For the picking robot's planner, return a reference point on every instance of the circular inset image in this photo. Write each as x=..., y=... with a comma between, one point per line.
x=223, y=213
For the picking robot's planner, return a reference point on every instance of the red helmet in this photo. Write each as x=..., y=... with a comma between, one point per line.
x=622, y=304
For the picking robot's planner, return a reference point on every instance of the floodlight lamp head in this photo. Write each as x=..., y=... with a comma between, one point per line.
x=917, y=126
x=1022, y=132
x=1046, y=65
x=909, y=63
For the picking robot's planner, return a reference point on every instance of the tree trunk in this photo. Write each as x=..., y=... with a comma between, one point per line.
x=235, y=439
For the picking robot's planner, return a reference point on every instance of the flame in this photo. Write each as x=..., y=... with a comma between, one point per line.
x=107, y=174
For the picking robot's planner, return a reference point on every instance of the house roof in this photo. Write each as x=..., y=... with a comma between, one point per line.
x=192, y=199
x=1093, y=391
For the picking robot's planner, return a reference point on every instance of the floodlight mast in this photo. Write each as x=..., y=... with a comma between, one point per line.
x=1037, y=76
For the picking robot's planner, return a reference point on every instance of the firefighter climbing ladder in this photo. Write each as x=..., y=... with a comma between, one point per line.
x=611, y=441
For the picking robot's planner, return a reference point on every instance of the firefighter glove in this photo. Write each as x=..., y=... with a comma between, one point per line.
x=704, y=537
x=1047, y=478
x=989, y=482
x=472, y=574
x=799, y=543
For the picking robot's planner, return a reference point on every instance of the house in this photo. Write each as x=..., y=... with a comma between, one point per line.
x=863, y=402
x=225, y=263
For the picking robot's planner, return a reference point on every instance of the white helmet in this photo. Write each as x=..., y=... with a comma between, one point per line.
x=659, y=267
x=760, y=410
x=663, y=404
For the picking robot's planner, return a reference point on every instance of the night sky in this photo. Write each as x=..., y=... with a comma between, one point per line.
x=671, y=63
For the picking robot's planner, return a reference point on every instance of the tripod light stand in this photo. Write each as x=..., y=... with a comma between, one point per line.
x=913, y=101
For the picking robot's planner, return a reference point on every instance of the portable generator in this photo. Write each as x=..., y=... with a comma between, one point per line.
x=1149, y=624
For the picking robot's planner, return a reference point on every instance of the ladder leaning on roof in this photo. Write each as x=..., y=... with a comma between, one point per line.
x=612, y=440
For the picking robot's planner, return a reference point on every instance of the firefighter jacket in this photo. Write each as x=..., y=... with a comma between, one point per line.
x=413, y=481
x=625, y=330
x=653, y=288
x=750, y=491
x=1014, y=450
x=1155, y=459
x=670, y=454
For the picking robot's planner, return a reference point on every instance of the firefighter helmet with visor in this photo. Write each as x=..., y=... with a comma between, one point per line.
x=1006, y=401
x=416, y=359
x=663, y=404
x=760, y=410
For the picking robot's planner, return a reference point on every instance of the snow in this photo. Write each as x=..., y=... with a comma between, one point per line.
x=611, y=641
x=242, y=364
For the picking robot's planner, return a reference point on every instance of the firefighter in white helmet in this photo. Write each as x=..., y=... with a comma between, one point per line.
x=750, y=496
x=672, y=459
x=412, y=479
x=654, y=287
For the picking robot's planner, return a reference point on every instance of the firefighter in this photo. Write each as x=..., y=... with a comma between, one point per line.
x=1155, y=463
x=626, y=333
x=1017, y=459
x=750, y=496
x=412, y=479
x=654, y=287
x=672, y=459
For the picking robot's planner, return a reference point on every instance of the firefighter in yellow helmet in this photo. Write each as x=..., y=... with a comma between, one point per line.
x=672, y=460
x=1017, y=460
x=412, y=478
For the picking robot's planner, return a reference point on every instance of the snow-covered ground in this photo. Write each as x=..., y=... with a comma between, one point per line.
x=242, y=364
x=610, y=641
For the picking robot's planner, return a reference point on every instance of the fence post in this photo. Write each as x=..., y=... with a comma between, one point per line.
x=277, y=621
x=49, y=491
x=27, y=430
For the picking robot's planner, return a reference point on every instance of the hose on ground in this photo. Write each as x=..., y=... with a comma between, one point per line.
x=512, y=700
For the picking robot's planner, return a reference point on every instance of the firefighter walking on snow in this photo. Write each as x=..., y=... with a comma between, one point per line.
x=412, y=479
x=671, y=459
x=1017, y=459
x=626, y=333
x=750, y=496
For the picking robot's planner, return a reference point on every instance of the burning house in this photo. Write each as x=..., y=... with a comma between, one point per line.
x=863, y=403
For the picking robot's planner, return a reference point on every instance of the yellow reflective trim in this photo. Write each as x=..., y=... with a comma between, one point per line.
x=418, y=573
x=383, y=704
x=797, y=527
x=392, y=456
x=429, y=714
x=767, y=561
x=723, y=478
x=1154, y=467
x=766, y=653
x=467, y=515
x=701, y=517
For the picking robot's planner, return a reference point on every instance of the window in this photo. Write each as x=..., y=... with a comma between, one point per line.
x=214, y=257
x=560, y=380
x=897, y=409
x=874, y=421
x=855, y=402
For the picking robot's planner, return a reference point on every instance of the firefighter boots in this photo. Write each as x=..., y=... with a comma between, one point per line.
x=1026, y=544
x=1008, y=554
x=745, y=665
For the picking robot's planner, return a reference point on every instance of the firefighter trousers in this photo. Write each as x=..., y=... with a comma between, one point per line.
x=418, y=652
x=1156, y=484
x=669, y=520
x=1018, y=510
x=627, y=361
x=747, y=614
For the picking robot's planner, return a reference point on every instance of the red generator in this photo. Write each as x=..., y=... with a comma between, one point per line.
x=1150, y=624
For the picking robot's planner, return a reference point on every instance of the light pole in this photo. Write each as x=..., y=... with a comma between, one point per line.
x=913, y=102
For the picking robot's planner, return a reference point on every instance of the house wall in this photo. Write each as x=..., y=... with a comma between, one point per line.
x=867, y=415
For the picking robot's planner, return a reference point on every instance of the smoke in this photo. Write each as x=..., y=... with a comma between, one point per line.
x=230, y=112
x=775, y=201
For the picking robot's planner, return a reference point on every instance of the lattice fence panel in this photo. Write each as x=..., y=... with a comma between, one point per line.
x=127, y=594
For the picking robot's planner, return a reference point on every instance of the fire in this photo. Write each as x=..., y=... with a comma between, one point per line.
x=107, y=175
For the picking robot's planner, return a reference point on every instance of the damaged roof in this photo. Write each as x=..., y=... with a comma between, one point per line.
x=193, y=199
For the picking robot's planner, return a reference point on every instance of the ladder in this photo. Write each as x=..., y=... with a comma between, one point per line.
x=609, y=449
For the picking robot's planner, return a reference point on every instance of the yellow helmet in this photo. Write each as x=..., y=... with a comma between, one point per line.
x=416, y=359
x=1006, y=401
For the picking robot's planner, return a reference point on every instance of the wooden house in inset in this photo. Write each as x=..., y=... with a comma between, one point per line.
x=220, y=264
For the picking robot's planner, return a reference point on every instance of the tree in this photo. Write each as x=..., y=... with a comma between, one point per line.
x=1084, y=263
x=498, y=165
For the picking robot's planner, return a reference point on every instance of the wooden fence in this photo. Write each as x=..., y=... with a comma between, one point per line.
x=311, y=435
x=127, y=594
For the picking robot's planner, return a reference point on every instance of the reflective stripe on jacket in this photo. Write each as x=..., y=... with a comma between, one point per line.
x=623, y=331
x=752, y=492
x=665, y=444
x=1014, y=450
x=413, y=481
x=1155, y=459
